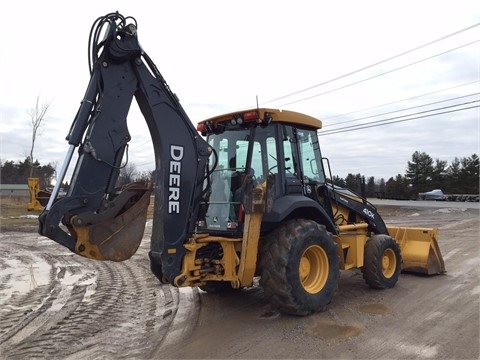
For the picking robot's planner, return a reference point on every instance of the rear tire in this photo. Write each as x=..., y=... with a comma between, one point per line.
x=382, y=262
x=300, y=267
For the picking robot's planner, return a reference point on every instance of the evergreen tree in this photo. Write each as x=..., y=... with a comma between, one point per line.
x=453, y=185
x=399, y=188
x=352, y=183
x=381, y=186
x=371, y=187
x=420, y=172
x=338, y=181
x=469, y=173
x=18, y=172
x=439, y=174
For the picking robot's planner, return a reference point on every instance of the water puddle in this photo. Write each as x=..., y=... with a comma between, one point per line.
x=375, y=309
x=25, y=276
x=329, y=330
x=20, y=276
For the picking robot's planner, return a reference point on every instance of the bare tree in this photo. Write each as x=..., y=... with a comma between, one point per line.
x=37, y=116
x=127, y=174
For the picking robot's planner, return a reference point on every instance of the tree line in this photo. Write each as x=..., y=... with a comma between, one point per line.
x=422, y=174
x=18, y=172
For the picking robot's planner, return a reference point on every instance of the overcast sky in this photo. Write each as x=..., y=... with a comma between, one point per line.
x=218, y=56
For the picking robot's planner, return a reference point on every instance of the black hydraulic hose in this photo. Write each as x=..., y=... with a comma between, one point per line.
x=207, y=176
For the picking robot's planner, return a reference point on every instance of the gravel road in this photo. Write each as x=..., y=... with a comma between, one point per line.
x=57, y=305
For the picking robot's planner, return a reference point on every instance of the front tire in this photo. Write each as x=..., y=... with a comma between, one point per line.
x=382, y=262
x=300, y=267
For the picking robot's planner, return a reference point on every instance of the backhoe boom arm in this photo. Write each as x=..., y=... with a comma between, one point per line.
x=102, y=222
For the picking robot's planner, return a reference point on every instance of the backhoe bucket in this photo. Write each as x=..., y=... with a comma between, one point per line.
x=420, y=251
x=117, y=233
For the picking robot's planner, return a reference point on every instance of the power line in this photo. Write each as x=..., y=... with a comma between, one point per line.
x=378, y=75
x=398, y=119
x=400, y=110
x=395, y=102
x=373, y=65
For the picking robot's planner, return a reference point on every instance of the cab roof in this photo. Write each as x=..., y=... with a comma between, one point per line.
x=275, y=115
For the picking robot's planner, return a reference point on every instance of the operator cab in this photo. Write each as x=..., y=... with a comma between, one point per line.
x=257, y=143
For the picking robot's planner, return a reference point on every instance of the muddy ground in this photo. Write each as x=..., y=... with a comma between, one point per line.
x=57, y=305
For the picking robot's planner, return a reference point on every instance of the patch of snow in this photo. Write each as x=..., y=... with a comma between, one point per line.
x=28, y=217
x=449, y=210
x=26, y=276
x=71, y=279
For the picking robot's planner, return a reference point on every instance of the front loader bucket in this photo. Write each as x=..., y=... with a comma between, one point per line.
x=420, y=251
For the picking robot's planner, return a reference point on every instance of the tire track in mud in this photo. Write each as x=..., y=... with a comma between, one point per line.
x=60, y=305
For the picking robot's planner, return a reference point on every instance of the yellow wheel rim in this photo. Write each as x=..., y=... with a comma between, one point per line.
x=313, y=269
x=389, y=263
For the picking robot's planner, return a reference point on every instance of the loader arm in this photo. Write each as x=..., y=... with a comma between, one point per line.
x=105, y=223
x=358, y=206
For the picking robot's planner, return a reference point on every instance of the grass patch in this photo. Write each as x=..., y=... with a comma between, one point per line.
x=14, y=215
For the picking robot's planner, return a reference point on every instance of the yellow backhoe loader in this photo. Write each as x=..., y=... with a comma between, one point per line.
x=38, y=197
x=250, y=200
